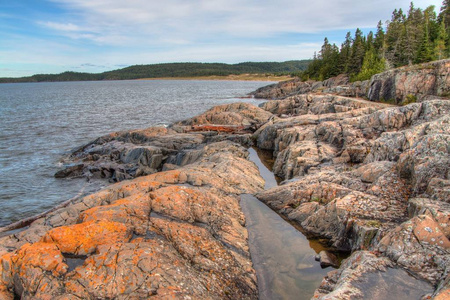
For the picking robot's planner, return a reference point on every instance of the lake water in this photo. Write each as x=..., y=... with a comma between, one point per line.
x=39, y=122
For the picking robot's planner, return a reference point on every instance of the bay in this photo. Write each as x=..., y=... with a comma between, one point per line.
x=40, y=122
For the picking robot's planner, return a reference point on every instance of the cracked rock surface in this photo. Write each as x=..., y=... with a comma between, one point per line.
x=366, y=176
x=173, y=234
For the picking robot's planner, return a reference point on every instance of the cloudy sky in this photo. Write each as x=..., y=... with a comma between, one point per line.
x=52, y=36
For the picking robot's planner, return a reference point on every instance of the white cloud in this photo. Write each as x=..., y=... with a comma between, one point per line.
x=111, y=32
x=61, y=26
x=195, y=19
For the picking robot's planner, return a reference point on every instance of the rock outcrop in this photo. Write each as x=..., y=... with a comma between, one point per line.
x=339, y=85
x=126, y=155
x=370, y=178
x=365, y=176
x=174, y=234
x=418, y=82
x=402, y=85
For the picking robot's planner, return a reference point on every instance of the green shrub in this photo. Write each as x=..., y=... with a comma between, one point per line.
x=410, y=98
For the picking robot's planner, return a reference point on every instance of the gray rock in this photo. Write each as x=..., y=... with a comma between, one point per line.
x=328, y=259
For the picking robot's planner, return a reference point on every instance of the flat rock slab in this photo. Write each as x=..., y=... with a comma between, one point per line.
x=392, y=284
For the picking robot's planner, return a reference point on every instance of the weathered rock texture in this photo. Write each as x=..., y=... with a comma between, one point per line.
x=338, y=85
x=371, y=178
x=175, y=234
x=126, y=155
x=407, y=84
x=365, y=175
x=418, y=81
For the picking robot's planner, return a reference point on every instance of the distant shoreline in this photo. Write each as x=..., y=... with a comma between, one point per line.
x=241, y=77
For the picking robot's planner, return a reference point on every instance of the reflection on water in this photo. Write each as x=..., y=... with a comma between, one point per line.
x=282, y=256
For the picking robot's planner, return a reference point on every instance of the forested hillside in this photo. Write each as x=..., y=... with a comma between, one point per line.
x=173, y=70
x=417, y=36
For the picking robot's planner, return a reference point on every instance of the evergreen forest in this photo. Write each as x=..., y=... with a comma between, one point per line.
x=173, y=70
x=417, y=36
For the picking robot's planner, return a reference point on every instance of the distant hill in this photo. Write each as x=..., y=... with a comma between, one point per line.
x=173, y=70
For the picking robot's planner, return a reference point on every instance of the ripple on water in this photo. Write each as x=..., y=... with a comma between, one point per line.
x=41, y=121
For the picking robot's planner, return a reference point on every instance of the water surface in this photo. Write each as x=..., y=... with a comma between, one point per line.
x=282, y=256
x=39, y=122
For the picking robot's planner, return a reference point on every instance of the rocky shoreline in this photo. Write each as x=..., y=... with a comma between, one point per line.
x=371, y=178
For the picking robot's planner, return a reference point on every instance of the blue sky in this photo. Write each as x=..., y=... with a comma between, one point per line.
x=52, y=36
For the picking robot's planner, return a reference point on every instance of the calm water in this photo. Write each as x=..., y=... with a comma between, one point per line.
x=282, y=256
x=39, y=122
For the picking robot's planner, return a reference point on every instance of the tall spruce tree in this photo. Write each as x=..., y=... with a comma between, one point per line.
x=379, y=40
x=358, y=52
x=419, y=36
x=345, y=53
x=440, y=49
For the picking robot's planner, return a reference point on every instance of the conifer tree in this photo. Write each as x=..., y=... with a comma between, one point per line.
x=419, y=36
x=358, y=51
x=372, y=65
x=345, y=53
x=425, y=52
x=379, y=40
x=440, y=50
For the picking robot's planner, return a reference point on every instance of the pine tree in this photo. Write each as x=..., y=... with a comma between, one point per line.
x=358, y=51
x=425, y=52
x=379, y=40
x=372, y=65
x=395, y=36
x=412, y=35
x=345, y=53
x=444, y=16
x=440, y=50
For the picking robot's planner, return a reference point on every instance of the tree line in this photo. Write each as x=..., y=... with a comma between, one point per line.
x=173, y=70
x=418, y=36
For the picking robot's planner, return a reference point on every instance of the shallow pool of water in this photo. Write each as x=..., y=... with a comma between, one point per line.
x=282, y=256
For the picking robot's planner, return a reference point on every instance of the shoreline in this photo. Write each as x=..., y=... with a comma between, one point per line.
x=242, y=77
x=366, y=176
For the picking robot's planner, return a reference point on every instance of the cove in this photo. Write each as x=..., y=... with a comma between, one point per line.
x=282, y=256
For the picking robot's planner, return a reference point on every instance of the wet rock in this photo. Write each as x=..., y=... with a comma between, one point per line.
x=327, y=259
x=366, y=276
x=70, y=171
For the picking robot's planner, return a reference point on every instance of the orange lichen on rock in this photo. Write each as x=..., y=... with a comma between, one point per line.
x=32, y=270
x=42, y=255
x=132, y=211
x=428, y=231
x=84, y=238
x=5, y=276
x=138, y=270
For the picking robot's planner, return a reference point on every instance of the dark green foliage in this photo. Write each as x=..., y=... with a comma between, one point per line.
x=372, y=64
x=174, y=70
x=417, y=37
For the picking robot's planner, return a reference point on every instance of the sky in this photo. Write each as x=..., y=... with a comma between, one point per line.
x=53, y=36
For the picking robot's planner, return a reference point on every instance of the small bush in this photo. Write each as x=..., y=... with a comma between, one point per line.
x=374, y=223
x=410, y=98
